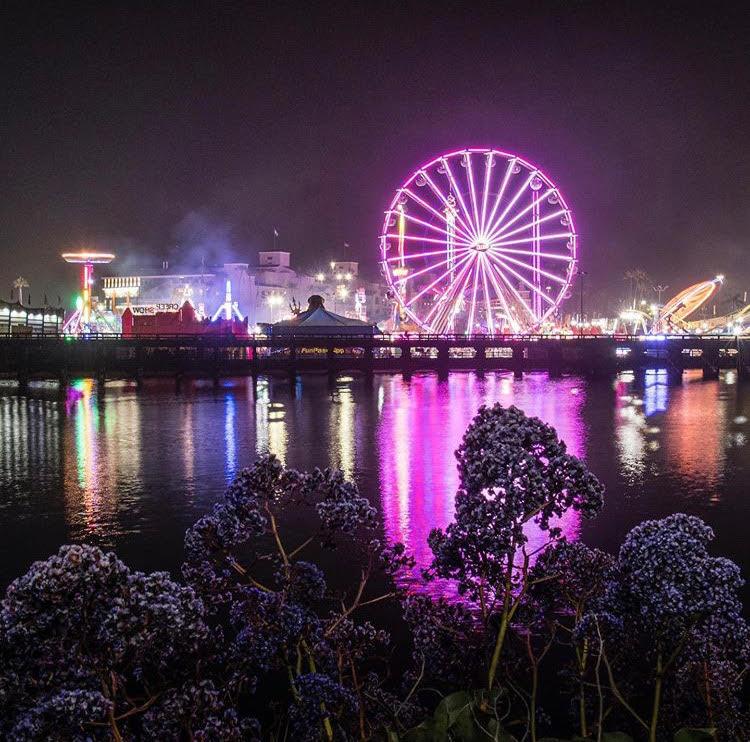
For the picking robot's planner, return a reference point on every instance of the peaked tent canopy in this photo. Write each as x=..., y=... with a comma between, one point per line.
x=317, y=320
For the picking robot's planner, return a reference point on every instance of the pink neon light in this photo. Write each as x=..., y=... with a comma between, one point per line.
x=521, y=278
x=482, y=244
x=503, y=227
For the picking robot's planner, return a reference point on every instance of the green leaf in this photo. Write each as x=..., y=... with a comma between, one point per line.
x=695, y=735
x=425, y=732
x=616, y=737
x=458, y=718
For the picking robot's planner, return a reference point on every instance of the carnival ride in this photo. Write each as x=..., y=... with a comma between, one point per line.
x=478, y=241
x=229, y=308
x=88, y=317
x=674, y=316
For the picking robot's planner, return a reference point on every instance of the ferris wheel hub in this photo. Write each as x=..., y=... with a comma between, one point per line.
x=481, y=245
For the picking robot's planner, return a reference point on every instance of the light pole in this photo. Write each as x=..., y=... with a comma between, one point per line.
x=581, y=275
x=659, y=291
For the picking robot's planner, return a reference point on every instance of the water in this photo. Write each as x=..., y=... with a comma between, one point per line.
x=132, y=469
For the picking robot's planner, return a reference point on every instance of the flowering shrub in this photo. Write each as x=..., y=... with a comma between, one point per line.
x=513, y=471
x=86, y=643
x=256, y=643
x=680, y=623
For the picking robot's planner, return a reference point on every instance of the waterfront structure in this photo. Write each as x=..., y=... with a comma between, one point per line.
x=216, y=355
x=468, y=234
x=17, y=319
x=171, y=320
x=317, y=320
x=262, y=292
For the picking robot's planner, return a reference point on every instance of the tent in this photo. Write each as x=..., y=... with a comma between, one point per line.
x=317, y=320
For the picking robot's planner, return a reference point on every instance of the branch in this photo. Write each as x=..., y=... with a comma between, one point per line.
x=619, y=695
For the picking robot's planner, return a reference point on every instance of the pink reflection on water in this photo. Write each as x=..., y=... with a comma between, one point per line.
x=419, y=431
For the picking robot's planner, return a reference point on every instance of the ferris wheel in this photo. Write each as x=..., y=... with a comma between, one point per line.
x=478, y=241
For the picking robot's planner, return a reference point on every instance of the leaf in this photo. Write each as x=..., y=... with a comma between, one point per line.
x=616, y=737
x=458, y=718
x=695, y=735
x=424, y=732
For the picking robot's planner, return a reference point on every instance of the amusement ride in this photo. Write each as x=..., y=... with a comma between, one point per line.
x=478, y=241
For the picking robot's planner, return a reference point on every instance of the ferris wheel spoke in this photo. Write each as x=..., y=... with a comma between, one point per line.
x=499, y=221
x=426, y=270
x=415, y=238
x=500, y=272
x=464, y=224
x=459, y=229
x=529, y=225
x=530, y=240
x=500, y=193
x=413, y=256
x=473, y=306
x=472, y=190
x=501, y=294
x=549, y=255
x=488, y=164
x=487, y=303
x=523, y=280
x=439, y=230
x=534, y=202
x=443, y=309
x=531, y=268
x=471, y=228
x=438, y=280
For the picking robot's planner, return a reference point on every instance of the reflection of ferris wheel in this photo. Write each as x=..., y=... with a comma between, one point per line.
x=478, y=241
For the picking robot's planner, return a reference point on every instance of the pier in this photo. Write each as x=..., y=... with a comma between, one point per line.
x=61, y=358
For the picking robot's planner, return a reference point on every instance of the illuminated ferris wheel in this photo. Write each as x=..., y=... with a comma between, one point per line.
x=478, y=241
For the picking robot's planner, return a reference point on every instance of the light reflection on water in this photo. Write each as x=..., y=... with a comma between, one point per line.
x=419, y=432
x=132, y=469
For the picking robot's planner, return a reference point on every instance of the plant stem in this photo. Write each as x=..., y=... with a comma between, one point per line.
x=618, y=695
x=503, y=626
x=657, y=700
x=327, y=727
x=582, y=659
x=534, y=688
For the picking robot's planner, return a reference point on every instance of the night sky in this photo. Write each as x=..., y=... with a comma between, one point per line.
x=183, y=134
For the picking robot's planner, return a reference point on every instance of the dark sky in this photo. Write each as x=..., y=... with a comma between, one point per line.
x=142, y=130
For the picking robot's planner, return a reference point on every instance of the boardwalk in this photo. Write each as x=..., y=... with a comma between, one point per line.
x=106, y=357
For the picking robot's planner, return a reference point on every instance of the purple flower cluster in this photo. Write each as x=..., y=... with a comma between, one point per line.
x=681, y=616
x=81, y=634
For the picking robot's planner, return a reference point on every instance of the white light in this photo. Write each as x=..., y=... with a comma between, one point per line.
x=320, y=277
